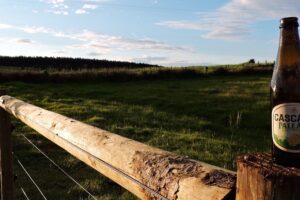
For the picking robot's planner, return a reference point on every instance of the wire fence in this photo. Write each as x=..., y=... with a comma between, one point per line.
x=30, y=178
x=154, y=193
x=34, y=182
x=20, y=187
x=145, y=171
x=151, y=191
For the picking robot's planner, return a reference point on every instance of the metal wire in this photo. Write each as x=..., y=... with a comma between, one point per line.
x=21, y=188
x=24, y=193
x=119, y=172
x=56, y=165
x=27, y=173
x=146, y=188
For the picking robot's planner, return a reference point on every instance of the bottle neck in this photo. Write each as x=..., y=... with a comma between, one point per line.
x=289, y=48
x=289, y=36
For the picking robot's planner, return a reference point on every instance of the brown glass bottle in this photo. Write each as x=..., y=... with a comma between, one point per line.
x=285, y=96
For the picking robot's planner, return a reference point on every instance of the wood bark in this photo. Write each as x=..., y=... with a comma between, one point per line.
x=170, y=175
x=258, y=178
x=6, y=172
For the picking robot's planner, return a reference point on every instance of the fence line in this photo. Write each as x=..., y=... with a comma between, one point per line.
x=58, y=167
x=145, y=171
x=24, y=193
x=20, y=187
x=30, y=177
x=118, y=171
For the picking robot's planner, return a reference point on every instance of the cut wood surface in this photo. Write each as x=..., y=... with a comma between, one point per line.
x=258, y=178
x=135, y=166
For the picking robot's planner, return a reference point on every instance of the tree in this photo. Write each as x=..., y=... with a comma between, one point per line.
x=251, y=61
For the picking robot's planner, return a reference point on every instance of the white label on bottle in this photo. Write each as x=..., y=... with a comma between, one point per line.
x=286, y=127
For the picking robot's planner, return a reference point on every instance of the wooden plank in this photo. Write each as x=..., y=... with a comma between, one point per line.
x=170, y=175
x=258, y=178
x=6, y=171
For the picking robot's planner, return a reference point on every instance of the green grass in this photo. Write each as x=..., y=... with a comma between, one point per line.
x=211, y=119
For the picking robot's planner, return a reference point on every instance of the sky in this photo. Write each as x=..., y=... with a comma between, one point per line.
x=164, y=32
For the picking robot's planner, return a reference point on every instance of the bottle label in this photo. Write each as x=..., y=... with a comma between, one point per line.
x=286, y=127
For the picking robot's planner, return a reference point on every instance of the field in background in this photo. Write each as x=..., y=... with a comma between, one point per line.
x=208, y=118
x=60, y=75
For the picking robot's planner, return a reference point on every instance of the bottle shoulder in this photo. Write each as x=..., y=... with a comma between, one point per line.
x=288, y=55
x=285, y=84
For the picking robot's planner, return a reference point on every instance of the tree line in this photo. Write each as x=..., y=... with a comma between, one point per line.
x=66, y=63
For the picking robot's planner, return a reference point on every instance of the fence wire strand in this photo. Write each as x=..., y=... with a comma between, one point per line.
x=24, y=193
x=21, y=188
x=143, y=186
x=29, y=176
x=56, y=165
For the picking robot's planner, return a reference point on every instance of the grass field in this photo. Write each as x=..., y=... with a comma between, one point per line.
x=212, y=119
x=38, y=75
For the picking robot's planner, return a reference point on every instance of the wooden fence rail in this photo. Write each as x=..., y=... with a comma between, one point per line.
x=147, y=172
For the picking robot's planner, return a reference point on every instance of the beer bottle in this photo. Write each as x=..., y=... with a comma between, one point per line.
x=285, y=96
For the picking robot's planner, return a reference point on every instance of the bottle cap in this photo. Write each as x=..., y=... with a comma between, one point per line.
x=289, y=22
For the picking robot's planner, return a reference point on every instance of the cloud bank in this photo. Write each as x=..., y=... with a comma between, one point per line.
x=58, y=7
x=84, y=9
x=100, y=43
x=233, y=20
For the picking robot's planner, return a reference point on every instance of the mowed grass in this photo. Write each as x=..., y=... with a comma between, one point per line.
x=211, y=119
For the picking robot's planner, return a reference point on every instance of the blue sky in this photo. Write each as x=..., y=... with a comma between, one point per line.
x=166, y=32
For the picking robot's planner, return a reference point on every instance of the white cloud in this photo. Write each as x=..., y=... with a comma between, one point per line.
x=98, y=46
x=95, y=44
x=80, y=12
x=86, y=7
x=58, y=7
x=33, y=29
x=27, y=29
x=233, y=20
x=58, y=12
x=89, y=6
x=103, y=42
x=183, y=24
x=23, y=41
x=121, y=43
x=5, y=26
x=61, y=7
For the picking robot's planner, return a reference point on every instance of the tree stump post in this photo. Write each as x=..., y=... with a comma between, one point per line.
x=6, y=172
x=258, y=178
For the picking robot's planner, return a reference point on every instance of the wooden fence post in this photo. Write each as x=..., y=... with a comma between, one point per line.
x=258, y=178
x=6, y=173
